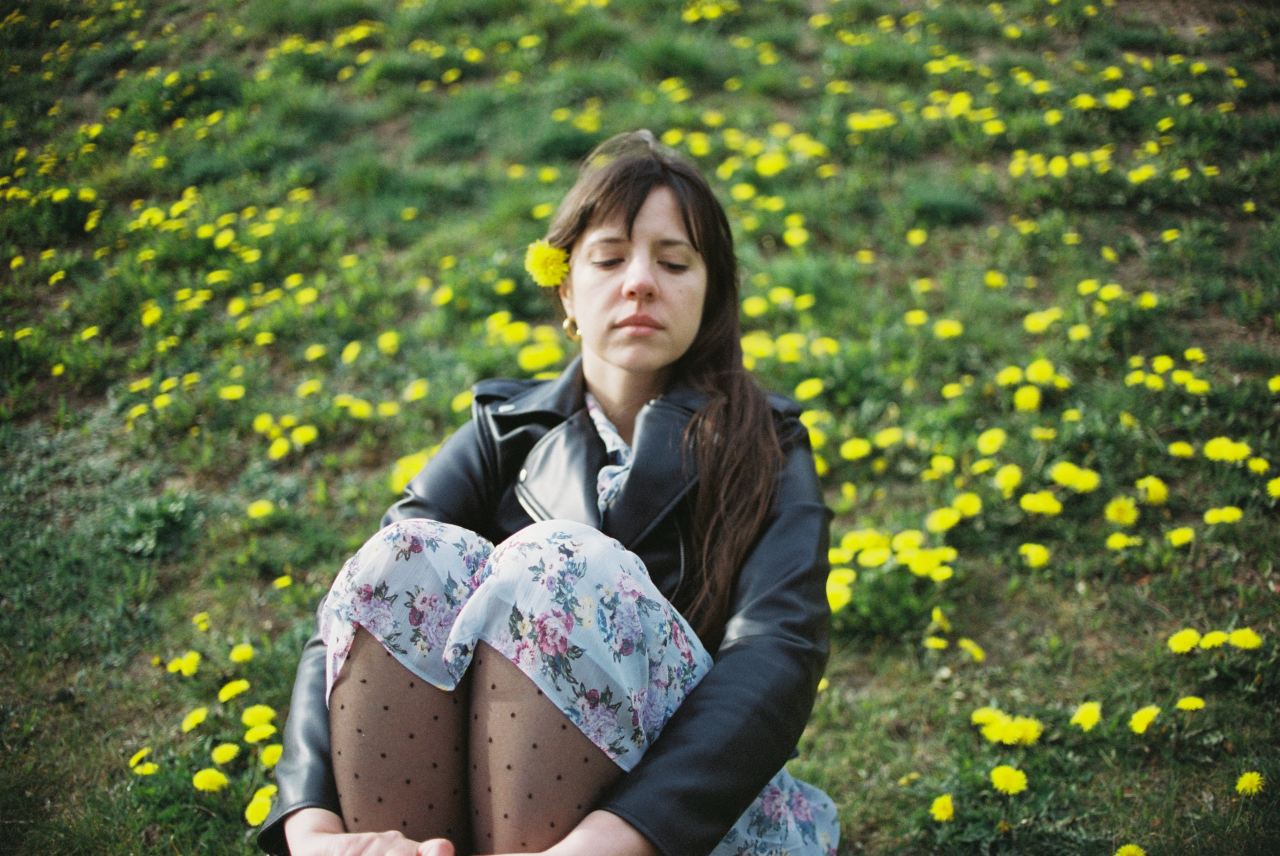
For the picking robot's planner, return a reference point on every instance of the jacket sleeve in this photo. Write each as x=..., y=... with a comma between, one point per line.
x=742, y=722
x=450, y=489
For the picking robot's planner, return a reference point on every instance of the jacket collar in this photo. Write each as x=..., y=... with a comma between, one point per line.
x=558, y=480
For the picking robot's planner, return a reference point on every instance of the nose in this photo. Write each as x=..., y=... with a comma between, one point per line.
x=639, y=284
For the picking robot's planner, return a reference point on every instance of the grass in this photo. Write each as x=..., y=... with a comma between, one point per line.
x=250, y=254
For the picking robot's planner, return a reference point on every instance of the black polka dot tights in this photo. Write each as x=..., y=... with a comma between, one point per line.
x=493, y=766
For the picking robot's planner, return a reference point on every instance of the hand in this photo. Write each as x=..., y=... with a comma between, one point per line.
x=317, y=832
x=602, y=832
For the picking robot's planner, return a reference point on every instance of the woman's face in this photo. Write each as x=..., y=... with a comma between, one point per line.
x=638, y=299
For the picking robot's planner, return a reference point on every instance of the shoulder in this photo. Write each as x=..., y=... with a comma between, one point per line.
x=786, y=418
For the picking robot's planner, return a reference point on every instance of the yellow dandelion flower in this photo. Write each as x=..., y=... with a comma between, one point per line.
x=194, y=719
x=973, y=649
x=1180, y=536
x=1040, y=502
x=1026, y=399
x=1184, y=640
x=969, y=504
x=257, y=810
x=257, y=714
x=1122, y=511
x=258, y=733
x=1087, y=715
x=389, y=342
x=271, y=755
x=947, y=328
x=225, y=753
x=1035, y=555
x=1007, y=478
x=1190, y=703
x=1245, y=638
x=1250, y=783
x=1154, y=490
x=242, y=653
x=1142, y=719
x=546, y=263
x=209, y=780
x=260, y=508
x=809, y=389
x=1008, y=780
x=231, y=392
x=942, y=809
x=1213, y=639
x=231, y=689
x=991, y=441
x=941, y=519
x=1130, y=850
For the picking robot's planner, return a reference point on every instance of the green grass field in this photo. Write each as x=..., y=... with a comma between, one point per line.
x=1020, y=260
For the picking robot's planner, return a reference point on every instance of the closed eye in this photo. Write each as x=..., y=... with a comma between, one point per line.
x=607, y=263
x=675, y=267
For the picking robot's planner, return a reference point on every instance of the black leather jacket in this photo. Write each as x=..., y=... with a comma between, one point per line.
x=530, y=453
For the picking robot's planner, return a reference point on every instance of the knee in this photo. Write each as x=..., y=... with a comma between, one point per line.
x=420, y=540
x=554, y=553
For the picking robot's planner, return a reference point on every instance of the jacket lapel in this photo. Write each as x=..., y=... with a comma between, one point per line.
x=662, y=471
x=558, y=479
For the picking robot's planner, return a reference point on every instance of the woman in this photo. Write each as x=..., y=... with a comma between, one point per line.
x=628, y=671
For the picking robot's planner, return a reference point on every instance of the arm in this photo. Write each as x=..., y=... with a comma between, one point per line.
x=449, y=489
x=741, y=723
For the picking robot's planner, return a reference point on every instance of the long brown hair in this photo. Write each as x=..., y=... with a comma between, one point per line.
x=737, y=449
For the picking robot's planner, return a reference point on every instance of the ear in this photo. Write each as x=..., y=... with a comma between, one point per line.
x=566, y=297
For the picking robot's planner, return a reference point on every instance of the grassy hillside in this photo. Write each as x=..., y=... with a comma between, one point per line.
x=1018, y=260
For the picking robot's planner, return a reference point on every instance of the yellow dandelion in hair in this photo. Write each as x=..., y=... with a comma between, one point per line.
x=546, y=263
x=942, y=809
x=1008, y=780
x=1250, y=783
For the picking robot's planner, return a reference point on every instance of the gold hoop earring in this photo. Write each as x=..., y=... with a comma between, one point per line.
x=570, y=327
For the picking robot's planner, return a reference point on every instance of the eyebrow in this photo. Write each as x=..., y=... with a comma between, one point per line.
x=665, y=242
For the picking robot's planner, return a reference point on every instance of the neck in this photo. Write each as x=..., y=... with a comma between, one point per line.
x=622, y=393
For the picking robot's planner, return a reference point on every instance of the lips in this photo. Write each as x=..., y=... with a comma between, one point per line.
x=639, y=320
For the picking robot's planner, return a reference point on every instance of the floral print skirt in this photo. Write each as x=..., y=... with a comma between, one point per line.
x=576, y=612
